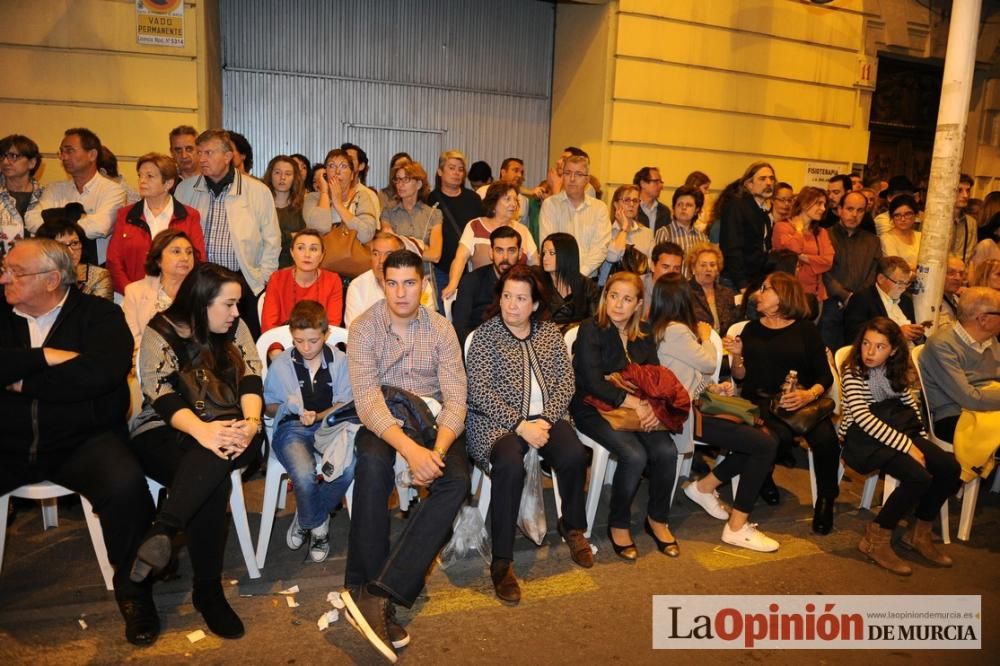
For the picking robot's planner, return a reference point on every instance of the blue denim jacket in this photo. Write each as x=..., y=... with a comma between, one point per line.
x=281, y=387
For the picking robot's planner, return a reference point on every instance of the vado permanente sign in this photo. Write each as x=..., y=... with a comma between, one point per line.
x=819, y=622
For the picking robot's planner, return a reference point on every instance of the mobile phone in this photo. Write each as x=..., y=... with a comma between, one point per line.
x=927, y=324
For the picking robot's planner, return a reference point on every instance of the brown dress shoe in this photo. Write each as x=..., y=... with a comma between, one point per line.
x=579, y=547
x=504, y=582
x=876, y=545
x=920, y=539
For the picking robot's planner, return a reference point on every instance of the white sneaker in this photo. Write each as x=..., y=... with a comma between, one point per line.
x=296, y=536
x=749, y=537
x=319, y=547
x=708, y=501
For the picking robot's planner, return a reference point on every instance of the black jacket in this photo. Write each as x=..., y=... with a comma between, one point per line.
x=59, y=406
x=866, y=304
x=476, y=291
x=745, y=239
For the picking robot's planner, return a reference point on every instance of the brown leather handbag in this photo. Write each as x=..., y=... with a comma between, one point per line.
x=343, y=253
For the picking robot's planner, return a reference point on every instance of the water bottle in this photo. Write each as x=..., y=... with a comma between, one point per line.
x=791, y=382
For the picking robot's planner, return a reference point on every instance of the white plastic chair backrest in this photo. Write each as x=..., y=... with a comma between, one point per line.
x=719, y=353
x=737, y=328
x=283, y=336
x=840, y=357
x=468, y=343
x=448, y=302
x=260, y=305
x=570, y=338
x=915, y=357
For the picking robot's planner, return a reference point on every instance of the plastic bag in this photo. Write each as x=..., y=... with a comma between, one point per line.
x=531, y=513
x=469, y=536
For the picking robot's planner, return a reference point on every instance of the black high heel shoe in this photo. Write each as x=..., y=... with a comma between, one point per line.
x=627, y=552
x=668, y=548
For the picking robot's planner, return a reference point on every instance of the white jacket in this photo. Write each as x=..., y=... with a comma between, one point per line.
x=253, y=223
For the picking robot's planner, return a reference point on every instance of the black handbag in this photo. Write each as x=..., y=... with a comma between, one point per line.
x=210, y=397
x=805, y=418
x=864, y=453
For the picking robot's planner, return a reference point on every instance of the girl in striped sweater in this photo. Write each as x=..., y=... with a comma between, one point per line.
x=882, y=430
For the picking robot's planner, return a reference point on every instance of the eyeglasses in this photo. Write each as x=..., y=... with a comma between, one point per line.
x=899, y=217
x=17, y=276
x=73, y=245
x=11, y=155
x=996, y=314
x=402, y=180
x=899, y=283
x=629, y=200
x=784, y=200
x=575, y=174
x=338, y=167
x=766, y=287
x=654, y=182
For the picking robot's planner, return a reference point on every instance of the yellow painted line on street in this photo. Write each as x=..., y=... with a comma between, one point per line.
x=726, y=557
x=482, y=596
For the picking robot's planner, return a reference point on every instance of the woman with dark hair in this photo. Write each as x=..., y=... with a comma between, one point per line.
x=520, y=386
x=138, y=224
x=572, y=296
x=20, y=160
x=782, y=202
x=803, y=235
x=302, y=162
x=901, y=240
x=682, y=228
x=683, y=346
x=304, y=280
x=408, y=215
x=339, y=200
x=191, y=457
x=882, y=431
x=387, y=194
x=171, y=257
x=61, y=226
x=762, y=356
x=501, y=206
x=284, y=178
x=606, y=343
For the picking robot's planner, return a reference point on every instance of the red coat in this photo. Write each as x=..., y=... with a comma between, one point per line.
x=660, y=388
x=283, y=293
x=130, y=241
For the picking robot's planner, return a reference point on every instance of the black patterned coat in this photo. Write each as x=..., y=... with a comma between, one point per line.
x=499, y=368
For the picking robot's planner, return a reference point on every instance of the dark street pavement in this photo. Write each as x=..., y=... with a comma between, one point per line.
x=50, y=580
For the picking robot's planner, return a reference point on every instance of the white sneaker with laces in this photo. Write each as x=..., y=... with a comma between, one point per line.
x=708, y=501
x=296, y=536
x=749, y=537
x=319, y=547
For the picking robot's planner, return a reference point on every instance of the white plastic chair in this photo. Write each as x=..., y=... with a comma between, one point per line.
x=47, y=492
x=237, y=505
x=448, y=303
x=260, y=305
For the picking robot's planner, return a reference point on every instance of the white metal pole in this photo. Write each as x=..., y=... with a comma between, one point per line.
x=949, y=144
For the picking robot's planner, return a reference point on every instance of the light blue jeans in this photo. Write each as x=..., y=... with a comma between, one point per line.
x=315, y=499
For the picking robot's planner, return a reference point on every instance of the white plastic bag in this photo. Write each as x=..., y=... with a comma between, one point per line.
x=531, y=513
x=469, y=536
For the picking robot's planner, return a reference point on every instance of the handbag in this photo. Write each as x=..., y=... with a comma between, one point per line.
x=805, y=418
x=619, y=418
x=343, y=253
x=732, y=408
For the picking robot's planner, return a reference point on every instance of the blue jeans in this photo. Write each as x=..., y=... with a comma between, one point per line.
x=314, y=499
x=441, y=276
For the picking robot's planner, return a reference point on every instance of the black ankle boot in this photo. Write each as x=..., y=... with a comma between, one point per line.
x=210, y=601
x=823, y=515
x=154, y=552
x=142, y=623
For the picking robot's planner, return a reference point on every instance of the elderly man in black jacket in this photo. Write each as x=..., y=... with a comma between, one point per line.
x=886, y=298
x=64, y=360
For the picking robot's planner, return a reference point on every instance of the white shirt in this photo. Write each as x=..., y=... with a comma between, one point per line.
x=39, y=327
x=101, y=199
x=522, y=201
x=536, y=405
x=589, y=223
x=158, y=223
x=893, y=246
x=892, y=308
x=978, y=347
x=364, y=291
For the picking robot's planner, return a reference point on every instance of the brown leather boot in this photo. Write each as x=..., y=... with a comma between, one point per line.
x=920, y=539
x=877, y=546
x=504, y=583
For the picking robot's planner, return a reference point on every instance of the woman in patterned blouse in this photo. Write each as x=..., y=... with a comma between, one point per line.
x=520, y=385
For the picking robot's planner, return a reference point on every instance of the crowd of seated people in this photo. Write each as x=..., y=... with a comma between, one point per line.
x=205, y=257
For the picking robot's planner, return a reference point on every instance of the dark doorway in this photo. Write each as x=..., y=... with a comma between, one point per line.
x=903, y=118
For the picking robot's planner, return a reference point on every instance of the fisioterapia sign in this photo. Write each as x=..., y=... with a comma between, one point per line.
x=817, y=622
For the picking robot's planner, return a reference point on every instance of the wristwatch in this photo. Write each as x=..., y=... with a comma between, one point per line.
x=441, y=452
x=256, y=420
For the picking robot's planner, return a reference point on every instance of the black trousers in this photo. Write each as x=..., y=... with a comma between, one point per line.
x=248, y=308
x=399, y=573
x=565, y=455
x=823, y=443
x=751, y=456
x=104, y=470
x=198, y=487
x=652, y=452
x=926, y=489
x=945, y=428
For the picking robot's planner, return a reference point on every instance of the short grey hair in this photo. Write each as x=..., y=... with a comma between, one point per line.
x=977, y=300
x=55, y=256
